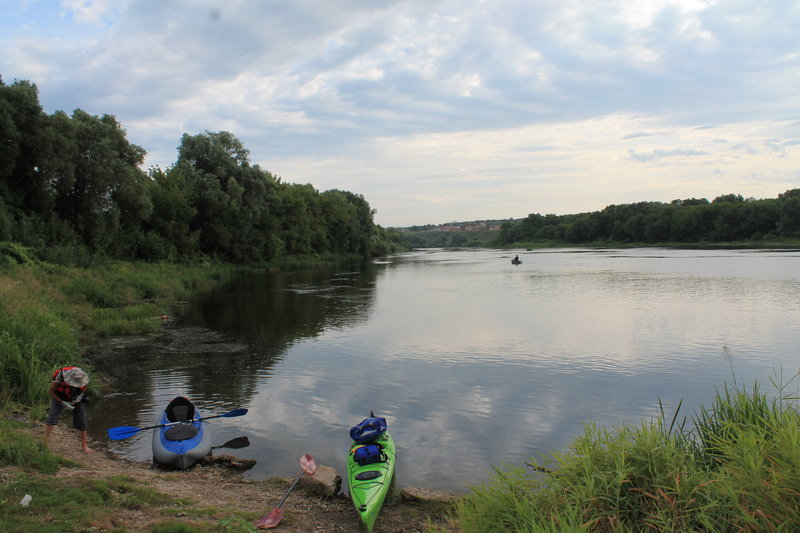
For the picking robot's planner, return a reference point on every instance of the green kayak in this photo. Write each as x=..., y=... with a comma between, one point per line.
x=370, y=483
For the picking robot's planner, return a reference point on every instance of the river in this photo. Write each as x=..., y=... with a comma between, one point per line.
x=473, y=361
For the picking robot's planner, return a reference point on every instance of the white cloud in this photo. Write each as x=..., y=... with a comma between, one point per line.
x=87, y=11
x=545, y=106
x=661, y=154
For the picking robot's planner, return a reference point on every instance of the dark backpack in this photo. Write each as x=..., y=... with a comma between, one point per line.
x=369, y=454
x=368, y=430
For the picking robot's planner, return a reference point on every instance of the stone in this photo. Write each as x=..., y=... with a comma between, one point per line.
x=229, y=461
x=416, y=494
x=324, y=482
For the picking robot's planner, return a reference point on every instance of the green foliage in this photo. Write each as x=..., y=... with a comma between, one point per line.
x=98, y=292
x=728, y=218
x=738, y=469
x=440, y=239
x=14, y=254
x=71, y=188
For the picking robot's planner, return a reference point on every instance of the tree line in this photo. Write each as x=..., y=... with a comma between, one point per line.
x=727, y=218
x=71, y=188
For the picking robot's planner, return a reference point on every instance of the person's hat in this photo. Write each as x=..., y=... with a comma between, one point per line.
x=75, y=377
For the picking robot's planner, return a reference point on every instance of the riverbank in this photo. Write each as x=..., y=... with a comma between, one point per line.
x=48, y=316
x=133, y=496
x=733, y=468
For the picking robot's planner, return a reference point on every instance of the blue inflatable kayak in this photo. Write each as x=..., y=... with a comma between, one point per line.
x=184, y=439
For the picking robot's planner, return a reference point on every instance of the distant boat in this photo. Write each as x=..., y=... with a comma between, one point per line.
x=516, y=261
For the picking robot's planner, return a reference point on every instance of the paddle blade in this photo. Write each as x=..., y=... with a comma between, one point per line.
x=307, y=464
x=238, y=442
x=122, y=432
x=271, y=520
x=235, y=412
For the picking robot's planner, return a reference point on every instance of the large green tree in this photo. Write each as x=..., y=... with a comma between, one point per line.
x=23, y=186
x=233, y=199
x=100, y=188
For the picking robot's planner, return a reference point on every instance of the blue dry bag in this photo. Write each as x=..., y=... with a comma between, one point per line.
x=368, y=430
x=368, y=454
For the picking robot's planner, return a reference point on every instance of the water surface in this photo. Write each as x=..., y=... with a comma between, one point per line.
x=473, y=361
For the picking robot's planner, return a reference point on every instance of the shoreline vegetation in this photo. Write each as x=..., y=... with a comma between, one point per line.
x=728, y=220
x=733, y=466
x=490, y=239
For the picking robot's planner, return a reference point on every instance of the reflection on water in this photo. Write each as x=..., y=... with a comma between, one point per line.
x=473, y=361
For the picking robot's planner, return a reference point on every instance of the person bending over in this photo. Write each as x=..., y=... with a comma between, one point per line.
x=67, y=392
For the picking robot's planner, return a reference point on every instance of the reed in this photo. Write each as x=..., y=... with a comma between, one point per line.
x=732, y=411
x=737, y=468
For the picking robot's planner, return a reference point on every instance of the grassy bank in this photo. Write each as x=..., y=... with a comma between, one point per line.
x=736, y=469
x=48, y=311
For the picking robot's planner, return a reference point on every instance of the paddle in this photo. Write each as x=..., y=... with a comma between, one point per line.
x=238, y=442
x=308, y=466
x=123, y=432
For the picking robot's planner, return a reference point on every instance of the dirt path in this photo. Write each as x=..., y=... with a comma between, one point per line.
x=221, y=488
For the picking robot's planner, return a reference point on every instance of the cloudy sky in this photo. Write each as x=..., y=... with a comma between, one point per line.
x=442, y=110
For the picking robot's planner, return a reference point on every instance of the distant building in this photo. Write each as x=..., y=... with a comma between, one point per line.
x=475, y=225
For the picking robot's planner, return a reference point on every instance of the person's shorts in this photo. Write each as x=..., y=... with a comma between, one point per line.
x=79, y=419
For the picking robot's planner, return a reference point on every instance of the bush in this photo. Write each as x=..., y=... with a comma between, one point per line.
x=12, y=254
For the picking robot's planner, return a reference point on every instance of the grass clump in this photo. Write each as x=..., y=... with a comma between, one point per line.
x=20, y=449
x=132, y=320
x=176, y=527
x=736, y=469
x=59, y=505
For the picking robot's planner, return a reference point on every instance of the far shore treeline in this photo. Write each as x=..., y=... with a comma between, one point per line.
x=71, y=189
x=727, y=218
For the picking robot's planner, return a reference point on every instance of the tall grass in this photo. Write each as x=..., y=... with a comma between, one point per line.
x=47, y=311
x=736, y=469
x=34, y=335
